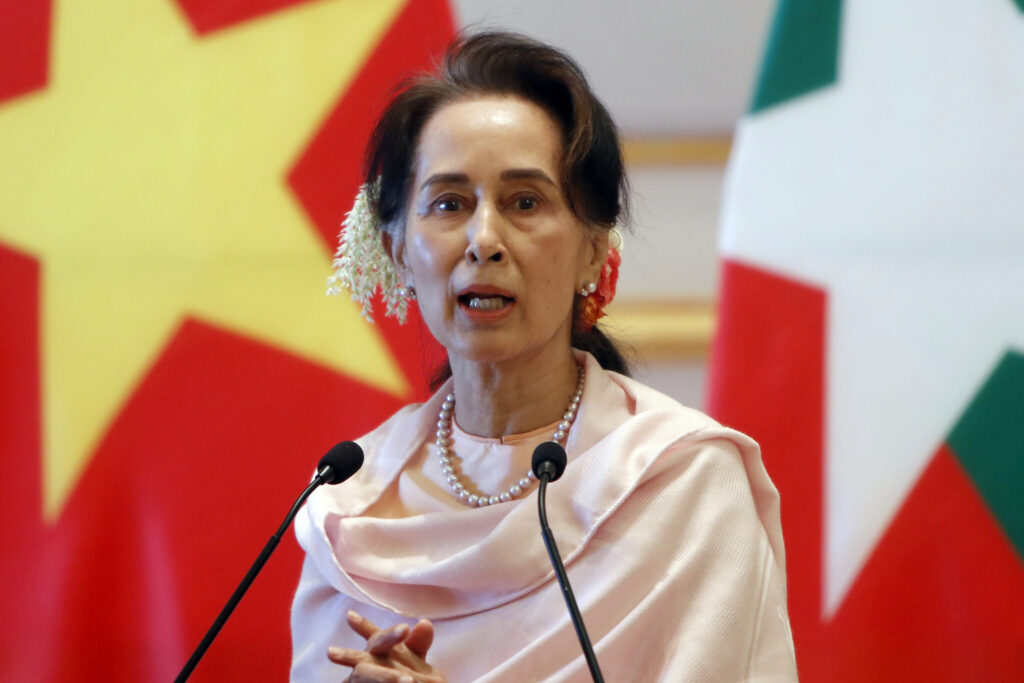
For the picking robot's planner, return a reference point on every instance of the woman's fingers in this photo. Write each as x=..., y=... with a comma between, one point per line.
x=360, y=624
x=366, y=667
x=420, y=638
x=368, y=672
x=347, y=656
x=396, y=649
x=382, y=642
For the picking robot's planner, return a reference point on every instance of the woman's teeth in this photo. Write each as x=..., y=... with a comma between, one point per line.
x=486, y=303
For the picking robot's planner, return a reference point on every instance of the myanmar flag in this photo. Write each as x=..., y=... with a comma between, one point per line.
x=172, y=178
x=872, y=330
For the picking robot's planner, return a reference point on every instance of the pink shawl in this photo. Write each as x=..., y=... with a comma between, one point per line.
x=666, y=521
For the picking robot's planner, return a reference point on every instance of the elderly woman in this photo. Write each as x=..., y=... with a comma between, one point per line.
x=494, y=187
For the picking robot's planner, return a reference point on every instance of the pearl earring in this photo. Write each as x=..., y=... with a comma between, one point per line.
x=409, y=292
x=588, y=288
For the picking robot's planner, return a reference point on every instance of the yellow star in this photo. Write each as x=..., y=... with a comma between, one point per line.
x=148, y=178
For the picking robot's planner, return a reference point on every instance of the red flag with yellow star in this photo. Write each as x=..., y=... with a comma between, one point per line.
x=172, y=175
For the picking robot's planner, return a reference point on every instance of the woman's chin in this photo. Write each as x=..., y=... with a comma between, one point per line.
x=483, y=351
x=501, y=347
x=502, y=340
x=489, y=346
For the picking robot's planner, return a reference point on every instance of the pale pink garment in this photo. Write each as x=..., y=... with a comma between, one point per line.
x=666, y=521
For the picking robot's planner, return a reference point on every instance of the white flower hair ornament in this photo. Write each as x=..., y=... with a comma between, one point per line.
x=361, y=265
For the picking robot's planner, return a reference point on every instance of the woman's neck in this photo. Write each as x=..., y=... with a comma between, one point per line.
x=495, y=400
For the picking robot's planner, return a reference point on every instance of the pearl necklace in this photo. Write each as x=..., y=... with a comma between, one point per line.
x=464, y=491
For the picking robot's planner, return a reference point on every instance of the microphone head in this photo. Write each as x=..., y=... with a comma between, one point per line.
x=549, y=458
x=341, y=462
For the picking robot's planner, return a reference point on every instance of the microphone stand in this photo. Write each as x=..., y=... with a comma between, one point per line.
x=563, y=581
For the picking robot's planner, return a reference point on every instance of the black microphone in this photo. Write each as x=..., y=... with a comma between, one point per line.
x=548, y=464
x=337, y=465
x=549, y=458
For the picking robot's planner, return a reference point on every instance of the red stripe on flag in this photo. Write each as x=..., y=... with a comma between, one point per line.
x=767, y=379
x=21, y=483
x=26, y=604
x=940, y=599
x=24, y=46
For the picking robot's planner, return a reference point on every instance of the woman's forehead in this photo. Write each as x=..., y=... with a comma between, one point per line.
x=492, y=135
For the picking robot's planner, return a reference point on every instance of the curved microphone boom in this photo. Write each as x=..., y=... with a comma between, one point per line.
x=548, y=463
x=337, y=465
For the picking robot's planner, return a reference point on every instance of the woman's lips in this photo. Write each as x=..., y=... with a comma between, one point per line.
x=485, y=303
x=484, y=290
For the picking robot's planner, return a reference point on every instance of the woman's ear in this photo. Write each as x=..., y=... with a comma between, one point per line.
x=598, y=254
x=395, y=248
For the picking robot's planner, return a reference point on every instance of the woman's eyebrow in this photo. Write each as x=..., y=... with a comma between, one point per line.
x=442, y=178
x=510, y=174
x=527, y=174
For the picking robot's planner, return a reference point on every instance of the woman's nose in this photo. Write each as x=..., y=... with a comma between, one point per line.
x=485, y=237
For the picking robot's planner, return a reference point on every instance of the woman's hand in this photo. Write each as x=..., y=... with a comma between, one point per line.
x=393, y=655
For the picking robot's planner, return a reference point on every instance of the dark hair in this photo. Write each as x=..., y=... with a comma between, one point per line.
x=593, y=178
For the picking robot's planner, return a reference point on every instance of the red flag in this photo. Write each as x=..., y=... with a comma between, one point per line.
x=173, y=177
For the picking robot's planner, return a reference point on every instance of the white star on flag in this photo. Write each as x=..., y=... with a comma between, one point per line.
x=897, y=191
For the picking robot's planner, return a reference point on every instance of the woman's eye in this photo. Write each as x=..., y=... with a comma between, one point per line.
x=448, y=204
x=526, y=203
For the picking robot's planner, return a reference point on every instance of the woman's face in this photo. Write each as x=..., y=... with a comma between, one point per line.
x=490, y=244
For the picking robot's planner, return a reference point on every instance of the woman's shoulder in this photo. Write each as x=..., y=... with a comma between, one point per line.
x=651, y=400
x=649, y=439
x=629, y=405
x=644, y=434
